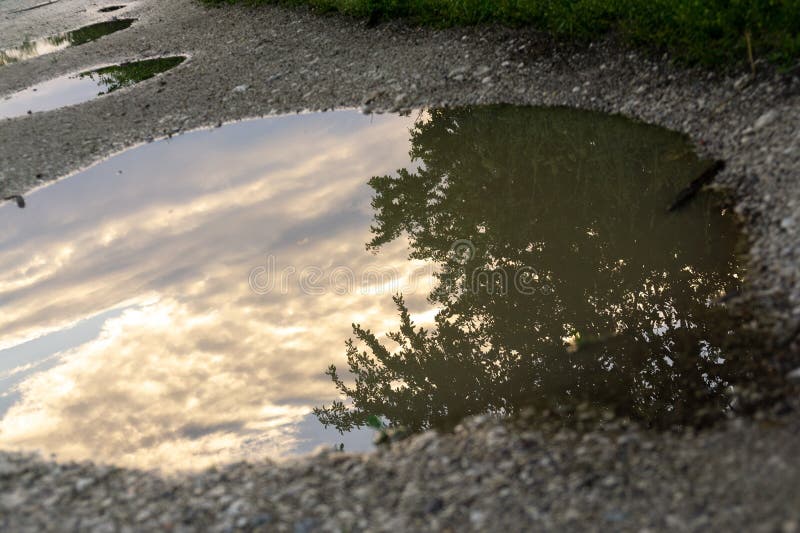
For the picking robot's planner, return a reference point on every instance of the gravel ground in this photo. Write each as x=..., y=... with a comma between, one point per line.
x=482, y=477
x=742, y=474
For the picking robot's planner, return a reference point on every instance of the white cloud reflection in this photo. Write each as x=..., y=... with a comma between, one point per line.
x=188, y=366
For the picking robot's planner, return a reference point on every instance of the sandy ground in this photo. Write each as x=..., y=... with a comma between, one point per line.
x=743, y=474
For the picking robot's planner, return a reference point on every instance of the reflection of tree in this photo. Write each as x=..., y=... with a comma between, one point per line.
x=24, y=51
x=95, y=31
x=30, y=48
x=118, y=76
x=617, y=310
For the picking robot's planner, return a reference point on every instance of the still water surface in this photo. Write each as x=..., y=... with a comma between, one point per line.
x=46, y=45
x=177, y=305
x=83, y=86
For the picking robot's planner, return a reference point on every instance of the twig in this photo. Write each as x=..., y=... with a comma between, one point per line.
x=17, y=198
x=748, y=39
x=37, y=6
x=694, y=187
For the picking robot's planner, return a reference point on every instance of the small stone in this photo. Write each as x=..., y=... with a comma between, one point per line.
x=400, y=98
x=609, y=481
x=487, y=79
x=675, y=522
x=477, y=518
x=765, y=120
x=143, y=515
x=482, y=71
x=306, y=525
x=7, y=468
x=576, y=89
x=83, y=483
x=261, y=519
x=240, y=88
x=238, y=507
x=458, y=71
x=794, y=375
x=787, y=223
x=12, y=500
x=434, y=506
x=741, y=82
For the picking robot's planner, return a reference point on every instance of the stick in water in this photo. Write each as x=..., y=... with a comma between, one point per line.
x=19, y=199
x=694, y=187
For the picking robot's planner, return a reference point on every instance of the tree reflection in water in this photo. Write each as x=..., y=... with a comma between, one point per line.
x=124, y=75
x=45, y=45
x=613, y=304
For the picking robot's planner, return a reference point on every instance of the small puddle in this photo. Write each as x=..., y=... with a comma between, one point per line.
x=177, y=305
x=76, y=88
x=54, y=43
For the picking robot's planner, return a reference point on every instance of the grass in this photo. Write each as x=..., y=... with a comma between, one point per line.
x=708, y=32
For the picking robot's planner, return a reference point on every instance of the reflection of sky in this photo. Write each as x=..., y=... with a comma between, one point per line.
x=46, y=45
x=74, y=89
x=52, y=94
x=130, y=333
x=34, y=48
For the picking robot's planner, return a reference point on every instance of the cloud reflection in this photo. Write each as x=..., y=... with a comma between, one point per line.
x=197, y=368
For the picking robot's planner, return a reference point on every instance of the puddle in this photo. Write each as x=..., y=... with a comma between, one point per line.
x=76, y=88
x=178, y=304
x=47, y=45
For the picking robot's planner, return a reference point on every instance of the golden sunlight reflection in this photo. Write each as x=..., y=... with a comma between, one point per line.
x=190, y=366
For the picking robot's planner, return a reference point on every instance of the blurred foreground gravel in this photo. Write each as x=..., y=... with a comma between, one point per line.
x=486, y=476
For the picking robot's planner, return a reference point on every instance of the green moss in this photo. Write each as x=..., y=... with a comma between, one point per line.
x=710, y=32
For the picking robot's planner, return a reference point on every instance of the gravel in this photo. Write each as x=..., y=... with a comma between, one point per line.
x=247, y=61
x=484, y=476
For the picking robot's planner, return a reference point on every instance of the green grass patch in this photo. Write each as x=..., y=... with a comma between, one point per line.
x=709, y=32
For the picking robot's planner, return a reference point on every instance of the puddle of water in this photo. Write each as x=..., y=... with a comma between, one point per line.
x=76, y=88
x=177, y=305
x=54, y=43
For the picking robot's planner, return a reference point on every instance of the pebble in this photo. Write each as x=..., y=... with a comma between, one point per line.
x=458, y=71
x=765, y=120
x=83, y=483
